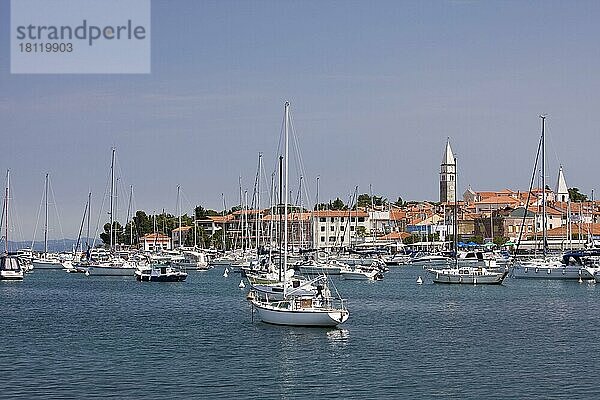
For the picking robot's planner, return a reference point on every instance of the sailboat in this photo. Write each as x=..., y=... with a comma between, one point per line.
x=548, y=267
x=46, y=260
x=115, y=266
x=320, y=309
x=11, y=267
x=470, y=274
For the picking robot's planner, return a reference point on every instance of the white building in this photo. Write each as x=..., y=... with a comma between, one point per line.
x=339, y=228
x=156, y=242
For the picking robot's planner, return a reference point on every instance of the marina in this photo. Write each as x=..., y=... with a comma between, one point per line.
x=289, y=200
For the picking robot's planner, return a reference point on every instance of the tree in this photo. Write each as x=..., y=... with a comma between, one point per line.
x=338, y=204
x=117, y=233
x=499, y=240
x=399, y=202
x=363, y=200
x=477, y=239
x=201, y=213
x=361, y=231
x=575, y=195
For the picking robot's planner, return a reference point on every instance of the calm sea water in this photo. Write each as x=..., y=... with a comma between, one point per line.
x=71, y=336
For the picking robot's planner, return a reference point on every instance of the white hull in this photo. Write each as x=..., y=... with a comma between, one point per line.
x=319, y=270
x=431, y=262
x=359, y=275
x=304, y=317
x=468, y=276
x=101, y=270
x=47, y=264
x=566, y=272
x=11, y=275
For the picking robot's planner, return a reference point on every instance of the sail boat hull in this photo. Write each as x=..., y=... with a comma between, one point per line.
x=467, y=276
x=552, y=271
x=47, y=264
x=304, y=317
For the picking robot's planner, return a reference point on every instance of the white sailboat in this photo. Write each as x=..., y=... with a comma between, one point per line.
x=115, y=266
x=298, y=310
x=470, y=274
x=46, y=260
x=11, y=267
x=547, y=267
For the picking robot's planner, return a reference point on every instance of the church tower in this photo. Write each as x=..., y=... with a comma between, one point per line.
x=447, y=176
x=562, y=191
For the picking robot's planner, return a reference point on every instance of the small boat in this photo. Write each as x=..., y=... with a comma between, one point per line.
x=467, y=275
x=362, y=274
x=192, y=260
x=301, y=311
x=312, y=267
x=319, y=309
x=160, y=273
x=114, y=267
x=431, y=260
x=11, y=268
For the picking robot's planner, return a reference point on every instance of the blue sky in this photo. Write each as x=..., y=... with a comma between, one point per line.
x=375, y=87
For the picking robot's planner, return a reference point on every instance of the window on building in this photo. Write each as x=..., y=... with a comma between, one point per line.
x=322, y=219
x=322, y=238
x=322, y=229
x=332, y=228
x=341, y=228
x=351, y=229
x=352, y=219
x=332, y=238
x=332, y=219
x=342, y=219
x=361, y=219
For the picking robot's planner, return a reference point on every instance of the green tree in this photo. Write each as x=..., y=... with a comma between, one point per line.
x=361, y=231
x=117, y=232
x=399, y=202
x=338, y=204
x=477, y=239
x=499, y=240
x=575, y=195
x=202, y=213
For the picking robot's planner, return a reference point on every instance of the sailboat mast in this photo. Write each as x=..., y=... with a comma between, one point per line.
x=46, y=217
x=544, y=233
x=179, y=211
x=6, y=200
x=112, y=190
x=128, y=214
x=87, y=239
x=258, y=215
x=455, y=213
x=280, y=219
x=285, y=210
x=223, y=228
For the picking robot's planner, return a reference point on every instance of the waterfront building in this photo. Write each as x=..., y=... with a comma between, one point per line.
x=156, y=242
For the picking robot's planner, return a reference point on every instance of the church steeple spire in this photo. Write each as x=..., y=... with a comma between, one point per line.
x=562, y=190
x=447, y=175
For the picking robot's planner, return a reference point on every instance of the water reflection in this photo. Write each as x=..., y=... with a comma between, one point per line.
x=338, y=336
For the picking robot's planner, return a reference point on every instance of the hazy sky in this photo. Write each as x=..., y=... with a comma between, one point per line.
x=376, y=87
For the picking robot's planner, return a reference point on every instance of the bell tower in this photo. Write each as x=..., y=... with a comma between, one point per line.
x=447, y=175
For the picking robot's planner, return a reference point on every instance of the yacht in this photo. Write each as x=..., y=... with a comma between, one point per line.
x=11, y=268
x=160, y=273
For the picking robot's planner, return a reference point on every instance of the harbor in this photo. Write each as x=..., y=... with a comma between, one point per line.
x=276, y=199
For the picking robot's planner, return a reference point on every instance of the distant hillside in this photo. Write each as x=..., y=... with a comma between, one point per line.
x=53, y=245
